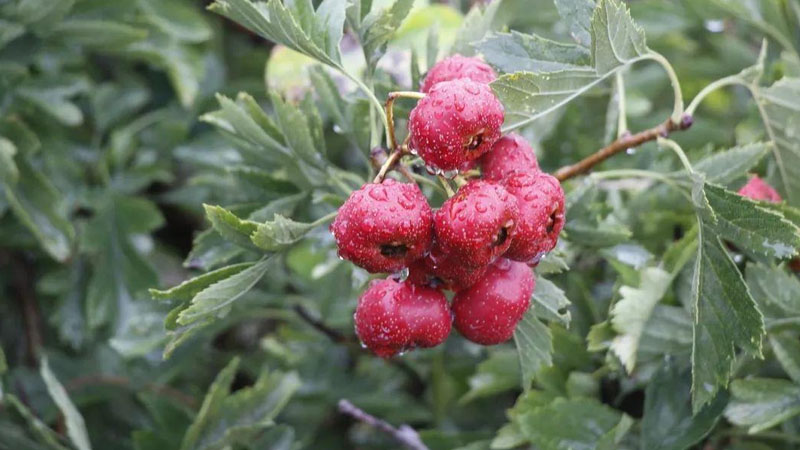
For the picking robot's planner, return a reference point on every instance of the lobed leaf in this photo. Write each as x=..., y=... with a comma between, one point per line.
x=549, y=302
x=534, y=346
x=515, y=52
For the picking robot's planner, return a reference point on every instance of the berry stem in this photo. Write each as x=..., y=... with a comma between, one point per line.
x=446, y=184
x=391, y=140
x=621, y=144
x=390, y=161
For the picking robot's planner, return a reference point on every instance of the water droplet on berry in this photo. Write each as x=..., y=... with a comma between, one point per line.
x=481, y=207
x=533, y=262
x=449, y=174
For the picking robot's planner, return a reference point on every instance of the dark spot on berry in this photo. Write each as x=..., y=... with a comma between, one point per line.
x=394, y=250
x=474, y=142
x=501, y=237
x=551, y=222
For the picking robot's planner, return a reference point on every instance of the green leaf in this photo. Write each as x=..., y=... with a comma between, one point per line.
x=494, y=375
x=298, y=133
x=219, y=295
x=180, y=20
x=616, y=42
x=631, y=313
x=100, y=34
x=190, y=288
x=39, y=206
x=516, y=52
x=478, y=21
x=299, y=27
x=574, y=423
x=724, y=167
x=9, y=31
x=280, y=233
x=616, y=39
x=749, y=226
x=226, y=419
x=780, y=109
x=549, y=302
x=578, y=15
x=76, y=427
x=231, y=227
x=212, y=403
x=776, y=291
x=760, y=403
x=786, y=347
x=668, y=332
x=725, y=316
x=246, y=413
x=3, y=363
x=210, y=250
x=668, y=422
x=606, y=232
x=183, y=63
x=42, y=432
x=52, y=96
x=8, y=168
x=534, y=346
x=378, y=27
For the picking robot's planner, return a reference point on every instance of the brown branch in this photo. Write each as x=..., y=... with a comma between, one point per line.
x=403, y=434
x=21, y=270
x=322, y=327
x=113, y=380
x=622, y=144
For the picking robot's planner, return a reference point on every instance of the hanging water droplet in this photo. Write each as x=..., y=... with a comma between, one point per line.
x=337, y=129
x=738, y=258
x=714, y=25
x=631, y=151
x=449, y=174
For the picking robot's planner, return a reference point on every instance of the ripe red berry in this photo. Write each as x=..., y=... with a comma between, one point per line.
x=758, y=189
x=488, y=312
x=478, y=224
x=455, y=123
x=393, y=317
x=509, y=154
x=540, y=200
x=456, y=67
x=439, y=270
x=384, y=227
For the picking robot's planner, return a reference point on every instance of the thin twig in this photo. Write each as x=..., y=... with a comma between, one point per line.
x=113, y=380
x=321, y=326
x=620, y=145
x=403, y=434
x=23, y=286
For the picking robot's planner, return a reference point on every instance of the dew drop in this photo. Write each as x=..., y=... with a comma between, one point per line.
x=337, y=129
x=449, y=174
x=631, y=151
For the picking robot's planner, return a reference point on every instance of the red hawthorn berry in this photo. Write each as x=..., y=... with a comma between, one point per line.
x=384, y=227
x=540, y=201
x=393, y=317
x=477, y=225
x=456, y=67
x=439, y=270
x=455, y=123
x=509, y=154
x=488, y=312
x=758, y=189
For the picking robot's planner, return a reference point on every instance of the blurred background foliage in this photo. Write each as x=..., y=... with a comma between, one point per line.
x=109, y=147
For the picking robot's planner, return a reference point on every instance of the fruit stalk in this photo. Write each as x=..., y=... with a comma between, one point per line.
x=403, y=434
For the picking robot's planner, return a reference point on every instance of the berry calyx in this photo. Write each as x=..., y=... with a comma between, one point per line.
x=488, y=312
x=440, y=270
x=511, y=153
x=456, y=67
x=383, y=227
x=393, y=317
x=758, y=189
x=540, y=201
x=478, y=224
x=455, y=123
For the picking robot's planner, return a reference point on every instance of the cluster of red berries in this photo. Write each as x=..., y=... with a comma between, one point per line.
x=479, y=244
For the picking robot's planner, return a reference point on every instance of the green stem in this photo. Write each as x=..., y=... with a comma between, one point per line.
x=672, y=145
x=637, y=173
x=446, y=185
x=677, y=110
x=377, y=108
x=622, y=119
x=722, y=82
x=324, y=219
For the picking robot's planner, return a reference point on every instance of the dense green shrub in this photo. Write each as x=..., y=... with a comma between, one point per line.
x=666, y=317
